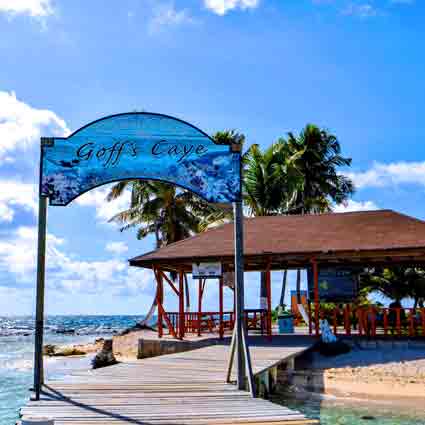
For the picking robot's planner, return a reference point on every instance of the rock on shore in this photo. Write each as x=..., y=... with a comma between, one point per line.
x=73, y=350
x=105, y=357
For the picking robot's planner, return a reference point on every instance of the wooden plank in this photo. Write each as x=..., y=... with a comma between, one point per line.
x=184, y=388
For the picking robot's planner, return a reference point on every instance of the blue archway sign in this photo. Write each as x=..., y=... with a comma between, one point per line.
x=146, y=146
x=139, y=146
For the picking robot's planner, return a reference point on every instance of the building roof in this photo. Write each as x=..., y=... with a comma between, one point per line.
x=291, y=241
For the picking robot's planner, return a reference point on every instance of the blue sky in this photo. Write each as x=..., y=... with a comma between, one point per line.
x=264, y=67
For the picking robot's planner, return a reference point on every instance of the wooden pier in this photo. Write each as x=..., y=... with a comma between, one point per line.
x=184, y=388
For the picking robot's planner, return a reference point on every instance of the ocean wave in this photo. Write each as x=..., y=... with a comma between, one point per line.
x=16, y=364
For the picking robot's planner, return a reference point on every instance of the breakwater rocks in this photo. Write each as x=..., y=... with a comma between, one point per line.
x=52, y=350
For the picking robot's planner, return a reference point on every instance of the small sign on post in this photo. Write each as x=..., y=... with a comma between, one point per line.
x=206, y=270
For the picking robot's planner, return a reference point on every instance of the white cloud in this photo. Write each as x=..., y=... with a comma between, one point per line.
x=65, y=271
x=351, y=206
x=221, y=7
x=33, y=8
x=382, y=175
x=116, y=247
x=18, y=253
x=15, y=194
x=104, y=209
x=21, y=125
x=165, y=15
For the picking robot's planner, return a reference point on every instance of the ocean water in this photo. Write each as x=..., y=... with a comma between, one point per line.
x=16, y=359
x=345, y=411
x=16, y=352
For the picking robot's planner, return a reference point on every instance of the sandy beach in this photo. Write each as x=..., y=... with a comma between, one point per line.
x=375, y=374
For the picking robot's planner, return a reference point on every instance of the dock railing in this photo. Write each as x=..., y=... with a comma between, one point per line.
x=216, y=322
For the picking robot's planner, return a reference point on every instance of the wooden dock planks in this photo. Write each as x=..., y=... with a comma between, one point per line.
x=185, y=388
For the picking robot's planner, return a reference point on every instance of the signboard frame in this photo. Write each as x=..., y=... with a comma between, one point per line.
x=337, y=278
x=204, y=270
x=139, y=145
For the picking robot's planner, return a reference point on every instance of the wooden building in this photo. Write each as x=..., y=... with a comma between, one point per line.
x=361, y=239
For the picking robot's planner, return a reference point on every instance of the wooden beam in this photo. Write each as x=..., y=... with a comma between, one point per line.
x=160, y=299
x=316, y=295
x=170, y=282
x=269, y=301
x=199, y=306
x=181, y=305
x=221, y=325
x=164, y=316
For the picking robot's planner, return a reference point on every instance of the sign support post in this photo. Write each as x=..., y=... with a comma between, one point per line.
x=39, y=315
x=239, y=343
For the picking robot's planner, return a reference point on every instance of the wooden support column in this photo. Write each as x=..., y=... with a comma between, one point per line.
x=310, y=319
x=316, y=296
x=200, y=290
x=269, y=300
x=181, y=306
x=39, y=315
x=221, y=328
x=160, y=296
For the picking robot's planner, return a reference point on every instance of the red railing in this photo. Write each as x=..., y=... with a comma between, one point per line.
x=376, y=321
x=197, y=323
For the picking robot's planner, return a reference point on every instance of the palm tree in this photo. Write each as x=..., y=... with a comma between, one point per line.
x=395, y=283
x=160, y=209
x=169, y=213
x=318, y=157
x=270, y=186
x=271, y=180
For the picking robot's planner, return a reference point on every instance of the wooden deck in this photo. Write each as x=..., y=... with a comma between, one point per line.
x=185, y=388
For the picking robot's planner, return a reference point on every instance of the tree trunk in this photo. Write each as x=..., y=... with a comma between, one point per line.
x=283, y=291
x=263, y=291
x=298, y=286
x=186, y=288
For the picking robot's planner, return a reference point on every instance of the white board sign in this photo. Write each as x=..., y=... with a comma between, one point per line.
x=206, y=270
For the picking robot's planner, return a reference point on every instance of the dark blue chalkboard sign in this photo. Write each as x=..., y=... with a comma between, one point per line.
x=336, y=284
x=139, y=146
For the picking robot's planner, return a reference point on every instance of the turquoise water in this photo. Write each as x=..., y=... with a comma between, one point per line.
x=333, y=411
x=16, y=357
x=16, y=352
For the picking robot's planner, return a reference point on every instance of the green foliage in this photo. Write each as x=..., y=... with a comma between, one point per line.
x=271, y=180
x=396, y=283
x=278, y=311
x=317, y=157
x=161, y=209
x=296, y=175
